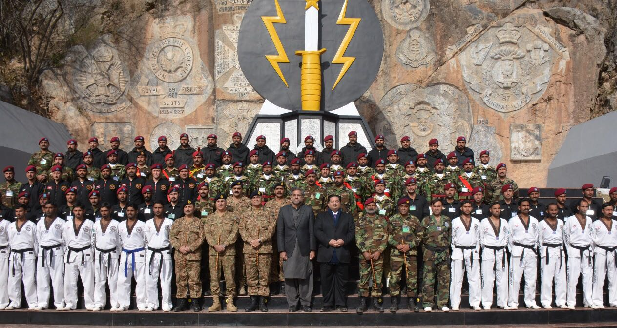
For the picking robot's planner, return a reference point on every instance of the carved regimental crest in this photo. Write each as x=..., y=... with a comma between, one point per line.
x=405, y=14
x=416, y=50
x=509, y=66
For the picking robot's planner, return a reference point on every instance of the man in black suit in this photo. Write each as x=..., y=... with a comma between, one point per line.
x=296, y=242
x=334, y=231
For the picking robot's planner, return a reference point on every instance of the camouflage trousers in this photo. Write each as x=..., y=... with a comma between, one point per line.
x=240, y=268
x=258, y=273
x=436, y=275
x=368, y=272
x=398, y=262
x=276, y=265
x=188, y=280
x=226, y=265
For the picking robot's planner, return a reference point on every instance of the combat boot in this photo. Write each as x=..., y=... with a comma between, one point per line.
x=282, y=288
x=412, y=305
x=242, y=291
x=378, y=304
x=216, y=304
x=254, y=304
x=263, y=306
x=362, y=307
x=181, y=306
x=393, y=304
x=230, y=304
x=195, y=305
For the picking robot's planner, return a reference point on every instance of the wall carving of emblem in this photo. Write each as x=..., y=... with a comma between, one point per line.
x=405, y=14
x=416, y=50
x=169, y=130
x=526, y=142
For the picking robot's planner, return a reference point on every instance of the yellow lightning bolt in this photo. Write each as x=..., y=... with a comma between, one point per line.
x=338, y=57
x=282, y=56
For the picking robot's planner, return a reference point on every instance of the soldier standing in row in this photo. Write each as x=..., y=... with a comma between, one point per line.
x=436, y=236
x=10, y=188
x=43, y=160
x=273, y=207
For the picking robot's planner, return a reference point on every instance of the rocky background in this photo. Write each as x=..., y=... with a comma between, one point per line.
x=511, y=75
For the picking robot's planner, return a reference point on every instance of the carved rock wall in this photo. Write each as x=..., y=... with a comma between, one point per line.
x=511, y=75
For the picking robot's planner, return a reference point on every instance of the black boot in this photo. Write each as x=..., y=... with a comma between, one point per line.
x=411, y=303
x=282, y=288
x=393, y=304
x=254, y=304
x=181, y=305
x=195, y=305
x=363, y=307
x=263, y=305
x=378, y=304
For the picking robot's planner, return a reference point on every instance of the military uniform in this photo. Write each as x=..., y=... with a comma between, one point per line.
x=436, y=238
x=216, y=186
x=281, y=171
x=466, y=183
x=257, y=223
x=144, y=172
x=225, y=170
x=385, y=205
x=495, y=189
x=118, y=171
x=348, y=198
x=67, y=174
x=371, y=236
x=264, y=184
x=94, y=173
x=295, y=181
x=204, y=207
x=404, y=230
x=222, y=229
x=314, y=197
x=238, y=204
x=187, y=232
x=434, y=185
x=43, y=160
x=171, y=174
x=9, y=192
x=253, y=169
x=198, y=173
x=273, y=207
x=486, y=172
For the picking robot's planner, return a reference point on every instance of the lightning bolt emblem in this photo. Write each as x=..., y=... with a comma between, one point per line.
x=338, y=57
x=282, y=56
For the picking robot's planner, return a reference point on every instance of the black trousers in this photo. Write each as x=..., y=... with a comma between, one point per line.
x=333, y=281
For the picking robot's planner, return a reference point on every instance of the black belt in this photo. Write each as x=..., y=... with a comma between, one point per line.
x=5, y=246
x=495, y=249
x=466, y=247
x=582, y=249
x=610, y=249
x=20, y=252
x=548, y=254
x=77, y=250
x=49, y=249
x=155, y=251
x=532, y=247
x=107, y=251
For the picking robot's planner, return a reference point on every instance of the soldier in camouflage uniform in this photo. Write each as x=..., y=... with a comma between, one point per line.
x=143, y=170
x=93, y=172
x=314, y=193
x=385, y=204
x=403, y=232
x=436, y=234
x=238, y=200
x=256, y=229
x=198, y=170
x=452, y=170
x=348, y=197
x=43, y=160
x=422, y=170
x=238, y=175
x=363, y=169
x=309, y=159
x=265, y=182
x=372, y=240
x=393, y=167
x=434, y=184
x=272, y=207
x=494, y=188
x=325, y=176
x=170, y=172
x=357, y=184
x=281, y=169
x=204, y=206
x=226, y=169
x=221, y=235
x=118, y=171
x=254, y=167
x=468, y=180
x=486, y=172
x=337, y=161
x=295, y=178
x=67, y=172
x=9, y=190
x=186, y=236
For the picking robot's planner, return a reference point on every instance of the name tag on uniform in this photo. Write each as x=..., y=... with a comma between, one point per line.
x=590, y=212
x=43, y=161
x=227, y=178
x=412, y=207
x=438, y=228
x=172, y=179
x=171, y=216
x=452, y=210
x=387, y=190
x=116, y=178
x=121, y=214
x=262, y=189
x=464, y=189
x=204, y=213
x=147, y=211
x=200, y=176
x=406, y=229
x=541, y=213
x=9, y=193
x=382, y=212
x=231, y=192
x=317, y=195
x=478, y=211
x=143, y=174
x=90, y=179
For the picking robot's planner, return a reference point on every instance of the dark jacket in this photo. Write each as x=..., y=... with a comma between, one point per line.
x=34, y=191
x=184, y=156
x=407, y=154
x=325, y=156
x=132, y=156
x=325, y=230
x=375, y=154
x=265, y=154
x=289, y=156
x=418, y=206
x=158, y=156
x=134, y=186
x=350, y=152
x=467, y=153
x=72, y=159
x=301, y=155
x=431, y=157
x=212, y=155
x=240, y=153
x=287, y=233
x=99, y=158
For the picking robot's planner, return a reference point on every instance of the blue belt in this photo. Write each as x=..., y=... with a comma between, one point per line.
x=131, y=252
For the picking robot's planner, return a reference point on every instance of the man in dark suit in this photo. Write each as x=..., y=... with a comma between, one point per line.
x=334, y=231
x=296, y=242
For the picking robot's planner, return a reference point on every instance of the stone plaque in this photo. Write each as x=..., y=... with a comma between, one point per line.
x=232, y=116
x=168, y=129
x=311, y=127
x=231, y=6
x=483, y=137
x=439, y=111
x=509, y=66
x=198, y=135
x=291, y=132
x=172, y=80
x=405, y=14
x=99, y=79
x=416, y=50
x=107, y=130
x=329, y=128
x=525, y=142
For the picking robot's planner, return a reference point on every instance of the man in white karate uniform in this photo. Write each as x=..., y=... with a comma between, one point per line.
x=107, y=248
x=523, y=246
x=78, y=237
x=604, y=237
x=158, y=257
x=494, y=236
x=465, y=257
x=577, y=236
x=132, y=260
x=5, y=252
x=552, y=262
x=50, y=258
x=22, y=261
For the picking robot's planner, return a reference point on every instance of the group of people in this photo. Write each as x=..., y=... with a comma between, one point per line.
x=260, y=220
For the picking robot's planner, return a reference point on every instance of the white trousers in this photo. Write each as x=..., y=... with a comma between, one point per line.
x=50, y=275
x=576, y=266
x=4, y=278
x=72, y=272
x=105, y=272
x=604, y=263
x=529, y=268
x=553, y=271
x=158, y=271
x=125, y=277
x=22, y=268
x=494, y=270
x=473, y=278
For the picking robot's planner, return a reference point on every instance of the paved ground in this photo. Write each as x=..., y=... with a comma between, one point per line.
x=602, y=325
